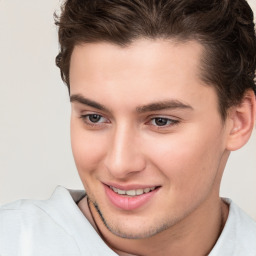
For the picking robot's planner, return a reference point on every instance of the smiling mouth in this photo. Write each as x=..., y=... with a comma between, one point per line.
x=134, y=192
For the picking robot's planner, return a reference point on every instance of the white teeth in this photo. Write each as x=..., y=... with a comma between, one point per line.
x=115, y=189
x=136, y=192
x=139, y=192
x=131, y=192
x=120, y=192
x=146, y=190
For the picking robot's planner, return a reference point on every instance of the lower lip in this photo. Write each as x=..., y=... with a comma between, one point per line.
x=129, y=203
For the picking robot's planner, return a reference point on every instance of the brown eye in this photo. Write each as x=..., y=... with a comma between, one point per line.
x=94, y=118
x=161, y=121
x=94, y=121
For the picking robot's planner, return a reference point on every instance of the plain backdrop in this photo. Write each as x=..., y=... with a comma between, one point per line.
x=35, y=151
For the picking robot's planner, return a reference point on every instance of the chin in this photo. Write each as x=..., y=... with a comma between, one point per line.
x=133, y=233
x=132, y=227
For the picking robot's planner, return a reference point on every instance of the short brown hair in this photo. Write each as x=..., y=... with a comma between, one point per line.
x=224, y=27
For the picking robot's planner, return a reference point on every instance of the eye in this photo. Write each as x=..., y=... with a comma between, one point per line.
x=93, y=119
x=160, y=121
x=163, y=122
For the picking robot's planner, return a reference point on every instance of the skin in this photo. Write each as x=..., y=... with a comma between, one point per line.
x=126, y=145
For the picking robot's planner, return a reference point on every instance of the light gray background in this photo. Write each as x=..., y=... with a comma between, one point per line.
x=35, y=153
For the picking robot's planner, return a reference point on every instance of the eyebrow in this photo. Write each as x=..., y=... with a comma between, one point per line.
x=162, y=105
x=80, y=99
x=156, y=106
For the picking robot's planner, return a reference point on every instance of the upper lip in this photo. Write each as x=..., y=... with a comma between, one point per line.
x=130, y=186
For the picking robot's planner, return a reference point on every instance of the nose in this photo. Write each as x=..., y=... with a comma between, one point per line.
x=124, y=156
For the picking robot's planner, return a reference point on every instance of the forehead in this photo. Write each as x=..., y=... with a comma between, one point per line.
x=142, y=55
x=146, y=70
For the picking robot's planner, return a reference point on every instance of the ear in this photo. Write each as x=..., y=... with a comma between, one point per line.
x=241, y=119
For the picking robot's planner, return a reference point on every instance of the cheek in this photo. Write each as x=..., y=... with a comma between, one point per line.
x=189, y=161
x=88, y=149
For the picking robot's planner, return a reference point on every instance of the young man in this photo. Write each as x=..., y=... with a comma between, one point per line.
x=161, y=93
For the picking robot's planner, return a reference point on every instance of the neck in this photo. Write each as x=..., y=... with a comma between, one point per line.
x=196, y=234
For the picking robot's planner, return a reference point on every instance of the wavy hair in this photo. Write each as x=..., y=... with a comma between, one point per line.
x=224, y=27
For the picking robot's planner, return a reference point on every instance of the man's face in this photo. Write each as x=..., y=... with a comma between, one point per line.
x=144, y=122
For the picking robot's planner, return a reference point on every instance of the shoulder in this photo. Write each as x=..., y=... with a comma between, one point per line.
x=238, y=236
x=242, y=226
x=49, y=227
x=28, y=226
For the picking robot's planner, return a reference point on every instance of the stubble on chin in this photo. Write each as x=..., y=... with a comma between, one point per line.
x=120, y=231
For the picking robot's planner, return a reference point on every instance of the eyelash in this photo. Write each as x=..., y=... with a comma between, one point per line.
x=172, y=122
x=90, y=123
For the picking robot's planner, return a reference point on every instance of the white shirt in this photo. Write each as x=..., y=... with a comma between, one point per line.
x=57, y=227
